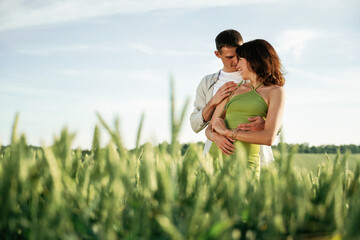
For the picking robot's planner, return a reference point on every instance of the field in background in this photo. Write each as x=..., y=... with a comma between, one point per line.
x=311, y=161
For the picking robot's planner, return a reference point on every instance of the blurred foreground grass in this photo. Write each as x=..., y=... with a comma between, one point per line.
x=155, y=192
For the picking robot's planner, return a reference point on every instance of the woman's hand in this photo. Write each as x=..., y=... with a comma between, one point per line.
x=225, y=144
x=220, y=127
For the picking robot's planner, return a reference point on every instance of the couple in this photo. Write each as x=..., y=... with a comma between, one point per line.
x=233, y=109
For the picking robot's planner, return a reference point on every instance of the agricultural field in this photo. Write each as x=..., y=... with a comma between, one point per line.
x=311, y=161
x=162, y=192
x=155, y=192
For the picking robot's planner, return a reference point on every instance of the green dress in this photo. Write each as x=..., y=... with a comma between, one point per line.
x=239, y=109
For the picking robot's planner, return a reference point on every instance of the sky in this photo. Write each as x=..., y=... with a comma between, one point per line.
x=62, y=61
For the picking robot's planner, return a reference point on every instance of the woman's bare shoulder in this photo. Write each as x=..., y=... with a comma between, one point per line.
x=277, y=91
x=276, y=88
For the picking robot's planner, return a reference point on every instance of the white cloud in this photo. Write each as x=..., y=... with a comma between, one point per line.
x=184, y=53
x=131, y=106
x=346, y=79
x=151, y=51
x=129, y=113
x=318, y=97
x=52, y=50
x=147, y=75
x=142, y=48
x=295, y=41
x=104, y=47
x=22, y=13
x=24, y=89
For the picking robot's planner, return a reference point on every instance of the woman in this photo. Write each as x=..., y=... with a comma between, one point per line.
x=263, y=96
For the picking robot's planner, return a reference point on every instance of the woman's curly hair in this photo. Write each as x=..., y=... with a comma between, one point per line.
x=263, y=60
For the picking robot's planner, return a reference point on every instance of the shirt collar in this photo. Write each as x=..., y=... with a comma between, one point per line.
x=214, y=78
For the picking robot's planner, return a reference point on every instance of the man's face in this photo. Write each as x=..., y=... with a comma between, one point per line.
x=228, y=57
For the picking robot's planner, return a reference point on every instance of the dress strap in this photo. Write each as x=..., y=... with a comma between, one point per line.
x=258, y=85
x=228, y=98
x=239, y=84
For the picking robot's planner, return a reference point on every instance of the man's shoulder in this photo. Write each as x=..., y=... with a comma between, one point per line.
x=212, y=75
x=210, y=78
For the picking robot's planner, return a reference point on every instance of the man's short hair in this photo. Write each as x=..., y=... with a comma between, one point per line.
x=228, y=38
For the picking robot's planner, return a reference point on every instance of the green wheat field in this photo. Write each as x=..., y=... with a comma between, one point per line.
x=156, y=192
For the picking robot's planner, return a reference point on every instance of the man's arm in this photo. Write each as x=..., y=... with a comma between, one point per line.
x=256, y=124
x=196, y=119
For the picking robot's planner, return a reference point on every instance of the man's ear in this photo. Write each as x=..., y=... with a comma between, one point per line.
x=217, y=54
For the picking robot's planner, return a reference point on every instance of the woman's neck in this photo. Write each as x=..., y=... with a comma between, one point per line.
x=254, y=80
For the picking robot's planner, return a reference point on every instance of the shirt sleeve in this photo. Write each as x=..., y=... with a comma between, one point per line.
x=266, y=155
x=196, y=117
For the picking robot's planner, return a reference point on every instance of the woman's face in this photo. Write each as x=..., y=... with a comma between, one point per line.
x=244, y=69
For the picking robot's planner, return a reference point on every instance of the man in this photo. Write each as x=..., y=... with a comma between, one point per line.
x=214, y=88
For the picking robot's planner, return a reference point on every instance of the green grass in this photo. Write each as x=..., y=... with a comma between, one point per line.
x=311, y=161
x=155, y=192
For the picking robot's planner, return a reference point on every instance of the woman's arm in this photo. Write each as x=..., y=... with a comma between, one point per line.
x=222, y=142
x=217, y=113
x=272, y=123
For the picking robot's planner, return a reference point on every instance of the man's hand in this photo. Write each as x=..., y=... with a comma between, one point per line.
x=223, y=92
x=257, y=123
x=225, y=144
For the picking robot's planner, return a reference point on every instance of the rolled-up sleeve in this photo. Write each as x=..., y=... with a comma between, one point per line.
x=197, y=121
x=196, y=117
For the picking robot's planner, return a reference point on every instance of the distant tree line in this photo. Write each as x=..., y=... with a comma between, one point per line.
x=306, y=148
x=302, y=148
